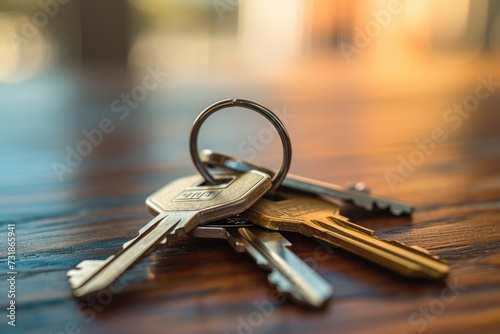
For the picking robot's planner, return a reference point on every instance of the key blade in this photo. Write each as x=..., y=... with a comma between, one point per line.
x=284, y=286
x=396, y=256
x=305, y=214
x=360, y=199
x=84, y=270
x=228, y=229
x=146, y=228
x=102, y=275
x=87, y=268
x=293, y=275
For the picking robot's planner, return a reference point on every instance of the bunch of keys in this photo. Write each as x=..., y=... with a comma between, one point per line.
x=207, y=206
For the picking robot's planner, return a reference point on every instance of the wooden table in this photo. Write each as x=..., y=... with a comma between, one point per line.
x=342, y=135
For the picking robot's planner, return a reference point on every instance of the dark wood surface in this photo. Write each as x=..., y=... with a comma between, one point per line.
x=340, y=133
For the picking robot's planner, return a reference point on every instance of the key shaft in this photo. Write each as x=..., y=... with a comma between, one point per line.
x=362, y=199
x=314, y=217
x=243, y=237
x=407, y=261
x=132, y=252
x=288, y=269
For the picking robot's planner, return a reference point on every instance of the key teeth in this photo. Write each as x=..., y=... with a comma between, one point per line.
x=369, y=204
x=83, y=270
x=395, y=209
x=263, y=263
x=383, y=205
x=363, y=203
x=75, y=278
x=281, y=284
x=284, y=286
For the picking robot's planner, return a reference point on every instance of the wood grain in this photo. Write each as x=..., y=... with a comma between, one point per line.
x=204, y=286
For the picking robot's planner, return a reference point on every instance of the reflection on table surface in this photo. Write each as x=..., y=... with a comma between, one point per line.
x=95, y=118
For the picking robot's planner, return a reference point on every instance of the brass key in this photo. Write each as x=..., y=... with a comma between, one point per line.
x=314, y=217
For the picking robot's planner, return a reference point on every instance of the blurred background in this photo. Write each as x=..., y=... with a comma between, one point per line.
x=356, y=82
x=97, y=99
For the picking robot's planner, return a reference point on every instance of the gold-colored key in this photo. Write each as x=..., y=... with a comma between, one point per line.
x=315, y=217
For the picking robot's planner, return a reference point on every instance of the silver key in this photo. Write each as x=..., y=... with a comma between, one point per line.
x=269, y=249
x=181, y=206
x=360, y=198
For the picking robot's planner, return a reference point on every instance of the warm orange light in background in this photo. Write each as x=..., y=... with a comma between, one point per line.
x=270, y=34
x=25, y=49
x=356, y=64
x=381, y=37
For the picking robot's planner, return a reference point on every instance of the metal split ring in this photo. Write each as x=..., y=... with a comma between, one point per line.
x=268, y=114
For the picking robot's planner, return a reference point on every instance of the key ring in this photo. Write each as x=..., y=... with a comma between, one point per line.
x=268, y=114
